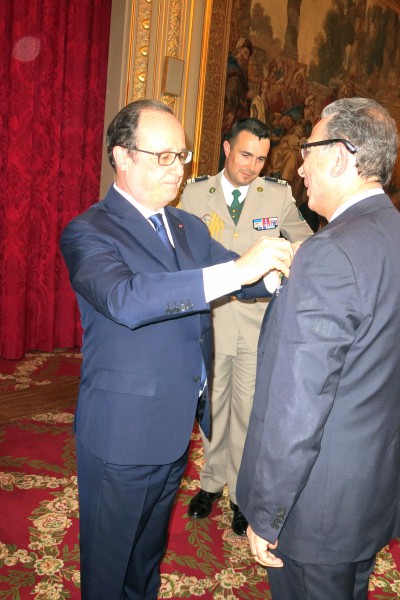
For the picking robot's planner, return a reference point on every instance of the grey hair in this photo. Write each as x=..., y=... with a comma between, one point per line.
x=369, y=126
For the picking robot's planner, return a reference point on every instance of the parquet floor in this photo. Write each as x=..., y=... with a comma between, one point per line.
x=37, y=399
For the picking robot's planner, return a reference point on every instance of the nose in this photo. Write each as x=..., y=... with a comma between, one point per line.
x=251, y=163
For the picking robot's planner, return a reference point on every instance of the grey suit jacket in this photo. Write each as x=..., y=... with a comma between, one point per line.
x=321, y=465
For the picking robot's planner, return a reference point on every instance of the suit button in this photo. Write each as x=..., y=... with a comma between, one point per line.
x=197, y=379
x=201, y=340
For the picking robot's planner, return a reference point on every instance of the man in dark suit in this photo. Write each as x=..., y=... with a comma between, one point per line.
x=144, y=276
x=321, y=465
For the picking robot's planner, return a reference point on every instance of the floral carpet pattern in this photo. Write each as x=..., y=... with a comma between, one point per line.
x=38, y=368
x=39, y=551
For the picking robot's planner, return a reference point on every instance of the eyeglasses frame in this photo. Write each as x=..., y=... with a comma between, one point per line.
x=183, y=161
x=349, y=146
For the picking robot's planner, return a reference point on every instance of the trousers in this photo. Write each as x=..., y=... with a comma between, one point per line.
x=124, y=517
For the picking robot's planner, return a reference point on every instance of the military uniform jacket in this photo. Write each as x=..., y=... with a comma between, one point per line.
x=269, y=210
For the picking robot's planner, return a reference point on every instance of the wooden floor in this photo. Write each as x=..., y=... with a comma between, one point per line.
x=39, y=398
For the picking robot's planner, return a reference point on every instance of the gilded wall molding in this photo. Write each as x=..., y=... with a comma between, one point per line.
x=214, y=87
x=175, y=35
x=174, y=28
x=139, y=45
x=173, y=22
x=170, y=26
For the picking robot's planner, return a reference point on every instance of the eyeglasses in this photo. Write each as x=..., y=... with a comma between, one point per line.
x=305, y=148
x=165, y=159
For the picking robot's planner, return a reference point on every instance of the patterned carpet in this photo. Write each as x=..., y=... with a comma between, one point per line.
x=39, y=554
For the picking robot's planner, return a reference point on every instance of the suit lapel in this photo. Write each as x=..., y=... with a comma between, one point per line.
x=182, y=249
x=130, y=219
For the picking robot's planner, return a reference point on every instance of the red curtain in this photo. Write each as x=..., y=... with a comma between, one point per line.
x=53, y=69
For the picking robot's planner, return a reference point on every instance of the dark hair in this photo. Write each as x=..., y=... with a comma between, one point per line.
x=254, y=126
x=123, y=128
x=369, y=126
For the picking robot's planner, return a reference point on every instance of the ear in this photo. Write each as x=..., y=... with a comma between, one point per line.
x=343, y=161
x=121, y=157
x=227, y=148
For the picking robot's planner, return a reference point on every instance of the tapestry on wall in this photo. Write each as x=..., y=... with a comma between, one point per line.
x=287, y=60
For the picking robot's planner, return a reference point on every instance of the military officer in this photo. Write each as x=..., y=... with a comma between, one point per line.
x=238, y=206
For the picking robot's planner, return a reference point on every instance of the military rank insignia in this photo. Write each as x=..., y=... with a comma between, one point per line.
x=196, y=179
x=265, y=223
x=275, y=180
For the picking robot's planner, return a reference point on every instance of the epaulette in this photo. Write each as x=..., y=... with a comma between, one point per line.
x=276, y=180
x=199, y=178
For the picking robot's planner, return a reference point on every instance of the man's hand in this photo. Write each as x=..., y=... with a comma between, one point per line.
x=265, y=255
x=259, y=549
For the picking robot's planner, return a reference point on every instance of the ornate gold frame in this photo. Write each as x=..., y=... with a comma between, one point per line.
x=212, y=81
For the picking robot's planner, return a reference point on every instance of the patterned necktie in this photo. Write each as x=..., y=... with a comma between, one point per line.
x=236, y=207
x=159, y=226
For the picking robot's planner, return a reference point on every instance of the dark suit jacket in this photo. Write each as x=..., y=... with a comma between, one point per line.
x=321, y=465
x=146, y=330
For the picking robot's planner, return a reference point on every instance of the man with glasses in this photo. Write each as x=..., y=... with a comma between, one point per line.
x=144, y=274
x=320, y=477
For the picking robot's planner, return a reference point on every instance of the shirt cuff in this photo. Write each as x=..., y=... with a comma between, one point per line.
x=220, y=280
x=272, y=281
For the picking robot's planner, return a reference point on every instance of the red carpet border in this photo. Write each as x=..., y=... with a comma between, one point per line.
x=39, y=553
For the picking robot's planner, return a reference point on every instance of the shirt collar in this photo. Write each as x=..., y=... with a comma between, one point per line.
x=228, y=188
x=146, y=212
x=354, y=200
